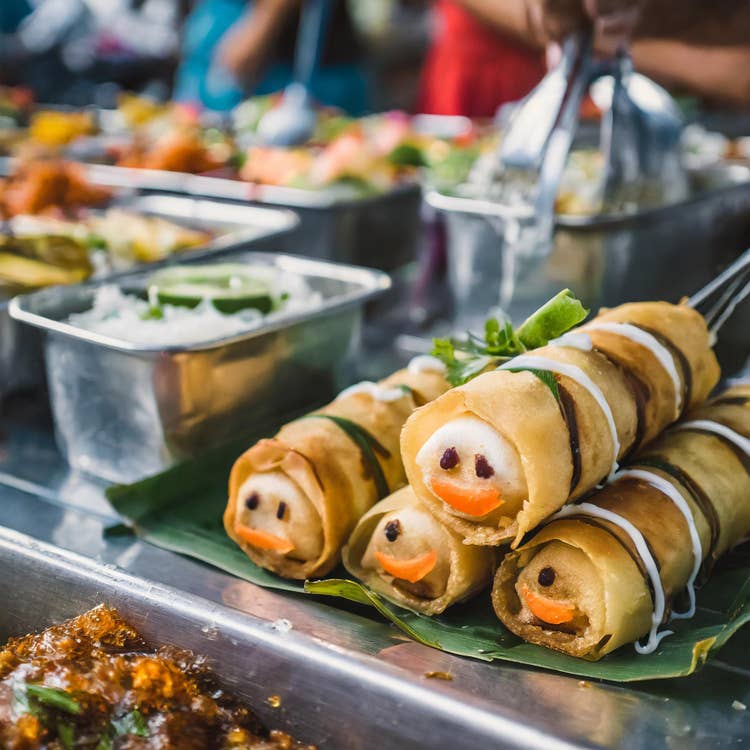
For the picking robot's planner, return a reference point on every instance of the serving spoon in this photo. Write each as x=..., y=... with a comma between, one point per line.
x=295, y=119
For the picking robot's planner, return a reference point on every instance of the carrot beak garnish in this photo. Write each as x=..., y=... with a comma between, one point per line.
x=262, y=539
x=414, y=569
x=547, y=610
x=473, y=502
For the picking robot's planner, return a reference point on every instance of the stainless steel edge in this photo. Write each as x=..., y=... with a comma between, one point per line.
x=257, y=660
x=370, y=281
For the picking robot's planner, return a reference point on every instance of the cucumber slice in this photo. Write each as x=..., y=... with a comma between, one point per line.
x=229, y=286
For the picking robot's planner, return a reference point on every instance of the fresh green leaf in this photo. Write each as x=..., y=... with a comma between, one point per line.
x=66, y=735
x=132, y=723
x=53, y=698
x=356, y=592
x=547, y=377
x=105, y=743
x=469, y=357
x=553, y=319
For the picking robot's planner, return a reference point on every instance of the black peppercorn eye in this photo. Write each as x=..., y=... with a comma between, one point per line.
x=281, y=510
x=252, y=502
x=546, y=576
x=392, y=530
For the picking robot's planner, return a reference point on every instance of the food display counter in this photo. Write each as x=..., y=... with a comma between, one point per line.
x=526, y=537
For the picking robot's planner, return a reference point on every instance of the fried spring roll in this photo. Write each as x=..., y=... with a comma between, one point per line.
x=295, y=498
x=401, y=551
x=610, y=570
x=495, y=457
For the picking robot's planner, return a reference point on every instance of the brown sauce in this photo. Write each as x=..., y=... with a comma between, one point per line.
x=92, y=683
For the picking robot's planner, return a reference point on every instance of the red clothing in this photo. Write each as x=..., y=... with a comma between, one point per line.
x=472, y=69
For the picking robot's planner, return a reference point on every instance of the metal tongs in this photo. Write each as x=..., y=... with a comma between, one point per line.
x=720, y=297
x=536, y=145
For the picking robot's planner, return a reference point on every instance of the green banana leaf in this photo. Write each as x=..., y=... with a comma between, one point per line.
x=181, y=509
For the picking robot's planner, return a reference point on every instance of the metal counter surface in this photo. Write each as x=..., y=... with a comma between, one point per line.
x=497, y=704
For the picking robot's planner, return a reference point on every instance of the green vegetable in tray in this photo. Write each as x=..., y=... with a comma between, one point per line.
x=229, y=287
x=469, y=357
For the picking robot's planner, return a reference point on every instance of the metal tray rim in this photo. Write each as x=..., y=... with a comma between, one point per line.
x=366, y=671
x=224, y=188
x=487, y=208
x=373, y=282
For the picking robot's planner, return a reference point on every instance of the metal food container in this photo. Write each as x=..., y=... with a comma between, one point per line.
x=379, y=231
x=233, y=227
x=661, y=253
x=321, y=693
x=124, y=411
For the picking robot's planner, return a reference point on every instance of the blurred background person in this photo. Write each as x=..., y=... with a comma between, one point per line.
x=237, y=48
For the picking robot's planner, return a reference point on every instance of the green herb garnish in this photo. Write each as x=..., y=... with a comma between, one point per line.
x=553, y=319
x=547, y=377
x=132, y=723
x=53, y=698
x=467, y=358
x=66, y=735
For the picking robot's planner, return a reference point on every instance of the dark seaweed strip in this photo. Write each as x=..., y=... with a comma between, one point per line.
x=634, y=556
x=568, y=409
x=676, y=352
x=698, y=494
x=641, y=394
x=368, y=446
x=741, y=455
x=731, y=401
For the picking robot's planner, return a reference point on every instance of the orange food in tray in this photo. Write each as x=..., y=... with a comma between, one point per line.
x=40, y=186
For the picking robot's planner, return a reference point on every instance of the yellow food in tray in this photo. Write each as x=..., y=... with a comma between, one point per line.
x=43, y=251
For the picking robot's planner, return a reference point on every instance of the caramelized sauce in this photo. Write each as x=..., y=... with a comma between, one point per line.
x=97, y=685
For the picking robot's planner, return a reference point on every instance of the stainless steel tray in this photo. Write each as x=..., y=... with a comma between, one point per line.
x=124, y=411
x=379, y=231
x=345, y=681
x=661, y=253
x=233, y=227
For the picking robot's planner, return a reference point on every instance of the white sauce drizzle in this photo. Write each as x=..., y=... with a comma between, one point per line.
x=426, y=363
x=668, y=489
x=580, y=377
x=387, y=395
x=587, y=509
x=709, y=425
x=574, y=340
x=647, y=341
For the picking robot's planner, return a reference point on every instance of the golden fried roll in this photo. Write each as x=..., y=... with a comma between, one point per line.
x=618, y=566
x=401, y=551
x=495, y=457
x=295, y=498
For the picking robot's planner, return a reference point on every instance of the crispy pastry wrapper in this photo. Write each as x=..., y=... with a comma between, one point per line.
x=711, y=474
x=524, y=411
x=471, y=567
x=328, y=466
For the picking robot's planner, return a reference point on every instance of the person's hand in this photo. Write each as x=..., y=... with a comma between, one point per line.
x=613, y=21
x=241, y=52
